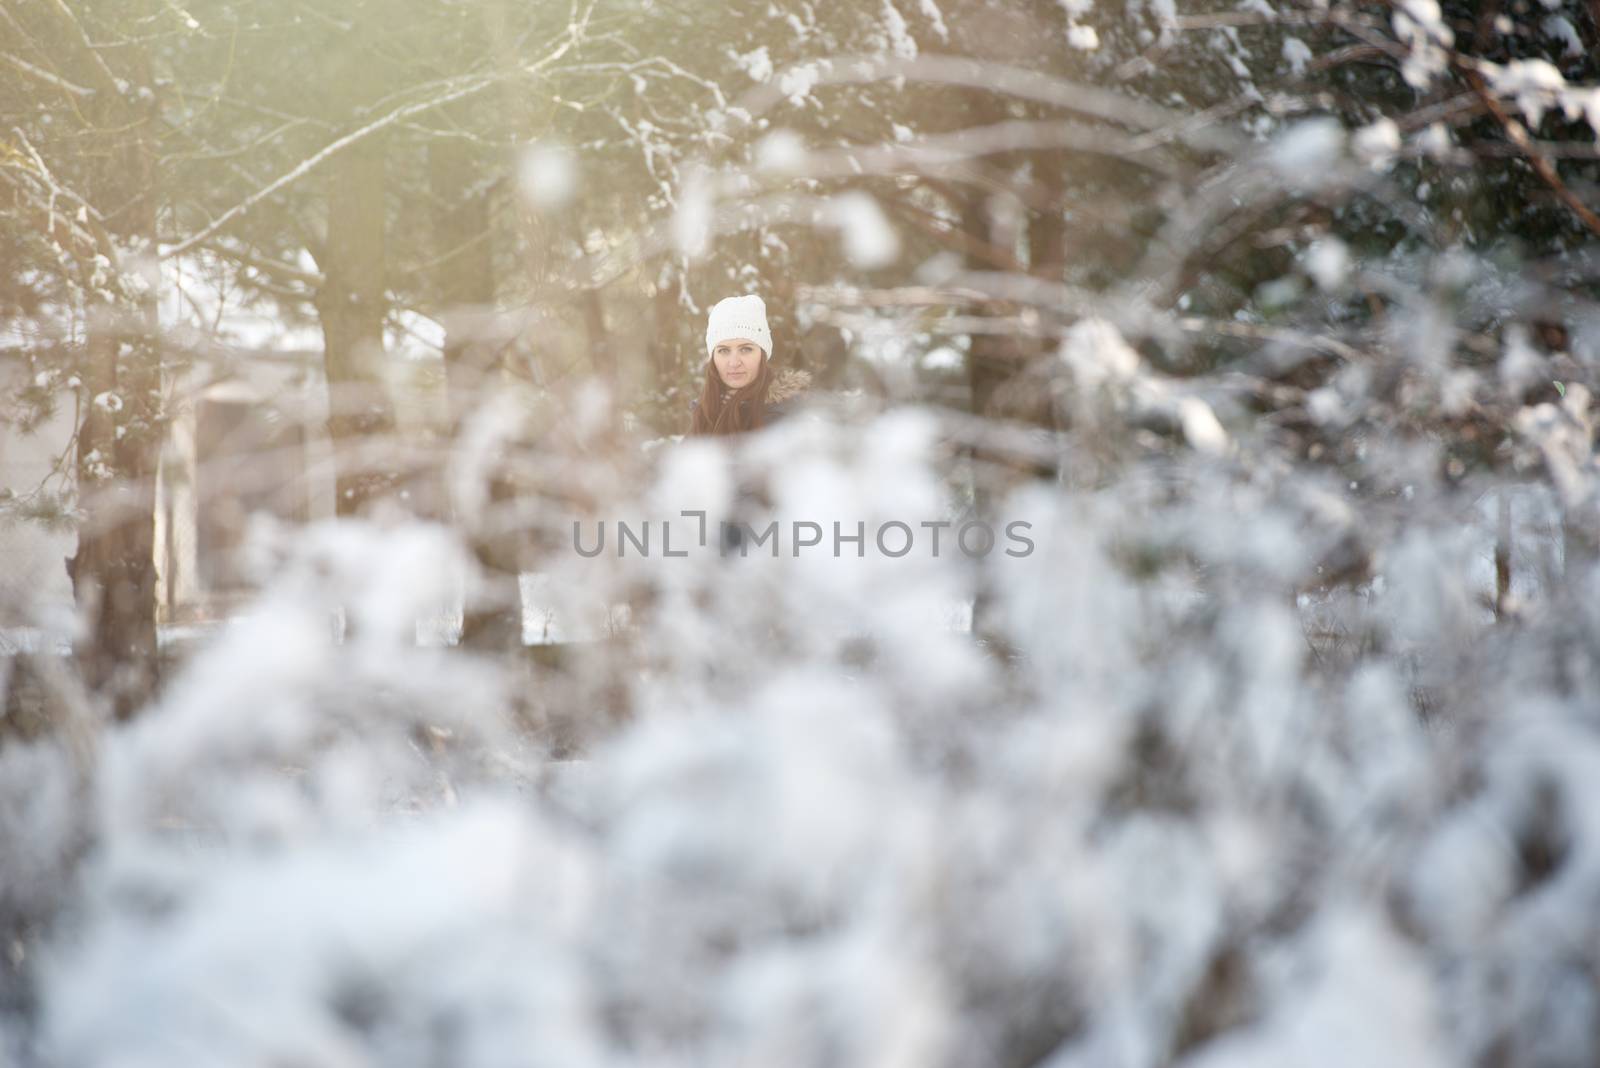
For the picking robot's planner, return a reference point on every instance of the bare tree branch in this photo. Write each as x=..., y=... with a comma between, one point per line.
x=109, y=81
x=1000, y=79
x=1518, y=133
x=45, y=76
x=310, y=164
x=91, y=217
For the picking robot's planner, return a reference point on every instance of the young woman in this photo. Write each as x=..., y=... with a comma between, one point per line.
x=741, y=391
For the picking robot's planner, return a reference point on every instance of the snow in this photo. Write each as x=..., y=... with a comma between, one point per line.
x=1098, y=354
x=1297, y=54
x=900, y=41
x=1436, y=141
x=1377, y=144
x=1200, y=426
x=1561, y=29
x=693, y=219
x=1356, y=994
x=1419, y=24
x=797, y=82
x=782, y=151
x=1534, y=84
x=1247, y=761
x=869, y=240
x=1308, y=152
x=309, y=850
x=1328, y=263
x=547, y=175
x=757, y=63
x=1521, y=366
x=1083, y=38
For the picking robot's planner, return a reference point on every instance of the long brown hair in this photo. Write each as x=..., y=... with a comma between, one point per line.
x=722, y=411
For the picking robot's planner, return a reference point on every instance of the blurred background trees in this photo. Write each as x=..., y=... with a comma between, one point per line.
x=449, y=198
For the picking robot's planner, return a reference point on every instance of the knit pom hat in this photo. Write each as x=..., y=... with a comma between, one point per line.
x=733, y=317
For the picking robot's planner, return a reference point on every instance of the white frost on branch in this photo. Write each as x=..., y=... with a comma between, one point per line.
x=1327, y=261
x=1201, y=428
x=1098, y=355
x=1307, y=154
x=757, y=63
x=1377, y=144
x=1532, y=83
x=1436, y=142
x=1109, y=377
x=1083, y=38
x=1536, y=87
x=1564, y=437
x=1297, y=54
x=900, y=41
x=1419, y=24
x=1521, y=365
x=797, y=82
x=1562, y=30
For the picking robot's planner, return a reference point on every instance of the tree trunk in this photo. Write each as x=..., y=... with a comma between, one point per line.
x=351, y=304
x=664, y=314
x=601, y=351
x=465, y=283
x=1502, y=557
x=463, y=275
x=991, y=359
x=113, y=571
x=1047, y=230
x=1008, y=374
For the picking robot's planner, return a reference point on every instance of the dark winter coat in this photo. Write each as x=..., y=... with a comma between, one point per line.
x=788, y=386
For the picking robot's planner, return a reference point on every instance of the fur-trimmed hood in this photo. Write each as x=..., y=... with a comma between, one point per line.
x=787, y=384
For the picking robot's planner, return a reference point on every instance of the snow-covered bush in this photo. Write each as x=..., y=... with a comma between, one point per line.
x=1170, y=822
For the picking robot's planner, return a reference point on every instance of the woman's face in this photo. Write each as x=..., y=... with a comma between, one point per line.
x=737, y=361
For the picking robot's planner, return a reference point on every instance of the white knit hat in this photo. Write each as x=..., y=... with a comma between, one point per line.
x=734, y=317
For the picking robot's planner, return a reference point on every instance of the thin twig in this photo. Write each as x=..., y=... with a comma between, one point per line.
x=92, y=219
x=45, y=76
x=1518, y=133
x=306, y=166
x=108, y=77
